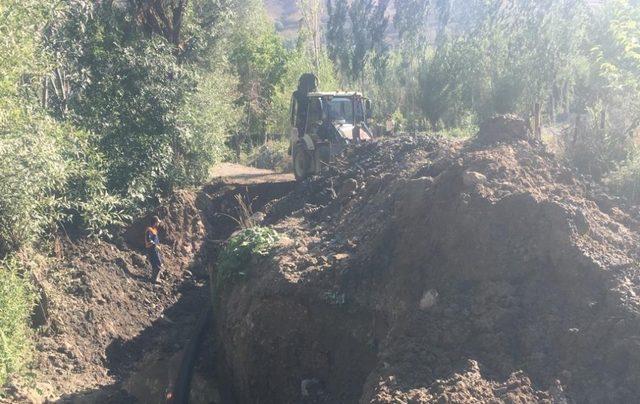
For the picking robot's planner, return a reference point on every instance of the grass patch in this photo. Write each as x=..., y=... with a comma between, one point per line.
x=17, y=298
x=243, y=247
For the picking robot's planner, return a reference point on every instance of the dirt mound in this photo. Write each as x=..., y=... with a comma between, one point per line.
x=503, y=128
x=424, y=269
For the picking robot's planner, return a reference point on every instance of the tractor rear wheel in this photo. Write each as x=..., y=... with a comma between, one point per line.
x=302, y=162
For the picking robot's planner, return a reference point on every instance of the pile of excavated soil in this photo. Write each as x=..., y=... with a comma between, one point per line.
x=424, y=269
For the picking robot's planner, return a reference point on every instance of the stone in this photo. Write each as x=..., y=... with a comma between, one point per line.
x=340, y=256
x=138, y=260
x=429, y=299
x=310, y=387
x=581, y=222
x=258, y=217
x=349, y=187
x=472, y=178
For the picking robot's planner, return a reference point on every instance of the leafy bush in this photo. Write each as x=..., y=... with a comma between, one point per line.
x=159, y=110
x=16, y=302
x=242, y=248
x=259, y=58
x=625, y=180
x=608, y=94
x=206, y=120
x=32, y=171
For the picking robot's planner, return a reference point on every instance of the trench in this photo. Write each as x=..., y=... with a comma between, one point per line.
x=174, y=358
x=192, y=372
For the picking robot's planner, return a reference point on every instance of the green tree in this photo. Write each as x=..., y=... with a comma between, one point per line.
x=130, y=76
x=356, y=35
x=259, y=58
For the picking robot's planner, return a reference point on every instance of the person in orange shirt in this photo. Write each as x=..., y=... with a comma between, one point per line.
x=152, y=244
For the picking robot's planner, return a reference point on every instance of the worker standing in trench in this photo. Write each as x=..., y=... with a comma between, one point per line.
x=152, y=244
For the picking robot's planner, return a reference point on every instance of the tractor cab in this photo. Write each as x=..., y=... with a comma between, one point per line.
x=323, y=124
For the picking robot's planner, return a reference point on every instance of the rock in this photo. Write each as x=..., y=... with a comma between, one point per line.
x=341, y=256
x=186, y=249
x=613, y=226
x=310, y=387
x=138, y=260
x=349, y=187
x=429, y=299
x=285, y=242
x=604, y=202
x=422, y=182
x=472, y=178
x=257, y=217
x=581, y=222
x=557, y=393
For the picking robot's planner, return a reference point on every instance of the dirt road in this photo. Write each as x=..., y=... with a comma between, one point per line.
x=237, y=174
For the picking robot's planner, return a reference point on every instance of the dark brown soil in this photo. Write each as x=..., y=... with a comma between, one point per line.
x=107, y=334
x=430, y=270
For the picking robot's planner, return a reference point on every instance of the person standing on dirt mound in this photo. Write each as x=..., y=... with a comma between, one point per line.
x=152, y=244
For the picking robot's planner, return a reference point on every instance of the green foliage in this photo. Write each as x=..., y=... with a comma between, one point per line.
x=244, y=246
x=443, y=95
x=158, y=101
x=356, y=35
x=38, y=156
x=128, y=91
x=19, y=19
x=625, y=180
x=207, y=118
x=16, y=302
x=32, y=170
x=608, y=91
x=260, y=59
x=88, y=203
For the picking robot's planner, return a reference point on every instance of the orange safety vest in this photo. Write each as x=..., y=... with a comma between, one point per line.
x=148, y=241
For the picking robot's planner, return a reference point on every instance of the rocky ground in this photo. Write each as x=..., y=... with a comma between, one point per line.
x=430, y=270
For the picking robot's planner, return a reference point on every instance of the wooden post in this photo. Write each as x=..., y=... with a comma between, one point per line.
x=552, y=106
x=575, y=133
x=537, y=117
x=45, y=91
x=565, y=97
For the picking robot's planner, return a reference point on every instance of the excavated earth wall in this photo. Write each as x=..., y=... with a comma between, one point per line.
x=424, y=269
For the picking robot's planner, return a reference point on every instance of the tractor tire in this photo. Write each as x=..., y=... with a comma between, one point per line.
x=302, y=162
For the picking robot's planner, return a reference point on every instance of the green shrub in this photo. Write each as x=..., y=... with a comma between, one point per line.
x=16, y=301
x=625, y=180
x=32, y=171
x=159, y=115
x=242, y=248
